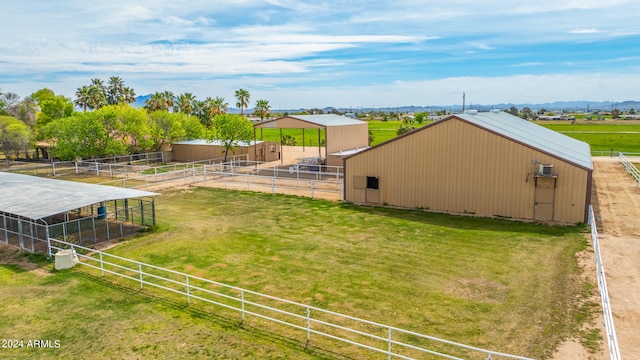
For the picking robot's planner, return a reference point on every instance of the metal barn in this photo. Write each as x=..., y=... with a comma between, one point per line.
x=488, y=164
x=343, y=135
x=34, y=209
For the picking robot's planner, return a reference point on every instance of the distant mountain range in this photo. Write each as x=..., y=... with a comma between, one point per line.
x=585, y=106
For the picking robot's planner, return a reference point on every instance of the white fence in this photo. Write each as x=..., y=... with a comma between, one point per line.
x=612, y=341
x=629, y=167
x=239, y=175
x=312, y=321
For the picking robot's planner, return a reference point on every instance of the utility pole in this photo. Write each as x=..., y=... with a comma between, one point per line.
x=463, y=96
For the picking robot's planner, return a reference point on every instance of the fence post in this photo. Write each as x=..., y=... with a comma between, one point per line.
x=273, y=185
x=242, y=298
x=308, y=324
x=101, y=265
x=389, y=346
x=312, y=189
x=140, y=270
x=188, y=289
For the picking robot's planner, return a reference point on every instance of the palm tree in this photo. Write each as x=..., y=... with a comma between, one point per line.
x=169, y=100
x=97, y=94
x=155, y=102
x=128, y=95
x=243, y=99
x=115, y=90
x=219, y=106
x=186, y=103
x=262, y=109
x=83, y=97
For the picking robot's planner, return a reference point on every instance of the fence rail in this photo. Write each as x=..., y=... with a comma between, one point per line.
x=242, y=175
x=629, y=167
x=612, y=340
x=376, y=337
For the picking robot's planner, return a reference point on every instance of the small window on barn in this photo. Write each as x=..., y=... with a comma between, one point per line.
x=372, y=182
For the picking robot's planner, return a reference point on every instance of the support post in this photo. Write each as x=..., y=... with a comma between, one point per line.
x=188, y=289
x=140, y=271
x=101, y=265
x=308, y=324
x=242, y=298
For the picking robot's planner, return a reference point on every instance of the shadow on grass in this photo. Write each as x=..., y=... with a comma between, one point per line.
x=465, y=222
x=226, y=323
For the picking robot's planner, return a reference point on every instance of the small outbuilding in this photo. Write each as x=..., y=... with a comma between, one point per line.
x=484, y=163
x=342, y=135
x=35, y=209
x=198, y=150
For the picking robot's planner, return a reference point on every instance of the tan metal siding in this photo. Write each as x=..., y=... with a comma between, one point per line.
x=196, y=152
x=347, y=137
x=457, y=167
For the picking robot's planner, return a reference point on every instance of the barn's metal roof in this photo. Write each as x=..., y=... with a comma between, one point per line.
x=215, y=142
x=323, y=120
x=533, y=135
x=36, y=198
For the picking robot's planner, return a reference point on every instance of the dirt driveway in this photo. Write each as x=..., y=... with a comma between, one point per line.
x=618, y=211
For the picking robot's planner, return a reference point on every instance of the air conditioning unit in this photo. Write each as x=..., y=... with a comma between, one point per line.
x=545, y=170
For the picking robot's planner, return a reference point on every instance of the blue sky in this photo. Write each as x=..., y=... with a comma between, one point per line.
x=329, y=53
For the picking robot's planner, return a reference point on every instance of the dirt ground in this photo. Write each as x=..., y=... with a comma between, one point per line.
x=619, y=212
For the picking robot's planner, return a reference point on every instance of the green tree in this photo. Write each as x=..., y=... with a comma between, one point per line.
x=114, y=90
x=262, y=109
x=186, y=104
x=83, y=96
x=406, y=126
x=372, y=137
x=51, y=106
x=527, y=114
x=15, y=136
x=242, y=95
x=97, y=94
x=166, y=128
x=3, y=104
x=422, y=117
x=513, y=111
x=231, y=130
x=84, y=135
x=160, y=101
x=134, y=130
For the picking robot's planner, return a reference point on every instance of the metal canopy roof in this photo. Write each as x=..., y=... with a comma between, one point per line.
x=319, y=121
x=36, y=198
x=533, y=135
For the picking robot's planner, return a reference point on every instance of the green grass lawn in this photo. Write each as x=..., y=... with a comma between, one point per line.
x=602, y=136
x=503, y=285
x=95, y=319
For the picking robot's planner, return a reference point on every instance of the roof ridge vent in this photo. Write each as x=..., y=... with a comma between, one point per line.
x=495, y=111
x=471, y=112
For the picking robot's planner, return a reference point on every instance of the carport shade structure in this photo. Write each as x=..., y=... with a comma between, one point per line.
x=34, y=209
x=345, y=133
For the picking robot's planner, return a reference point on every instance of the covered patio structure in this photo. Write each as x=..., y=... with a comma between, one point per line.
x=342, y=133
x=35, y=209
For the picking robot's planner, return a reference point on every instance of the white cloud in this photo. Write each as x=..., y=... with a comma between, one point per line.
x=585, y=31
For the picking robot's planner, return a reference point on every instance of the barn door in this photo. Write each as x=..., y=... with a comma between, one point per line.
x=544, y=198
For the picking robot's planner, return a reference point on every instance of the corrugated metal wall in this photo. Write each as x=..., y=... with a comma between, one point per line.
x=347, y=137
x=196, y=152
x=453, y=166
